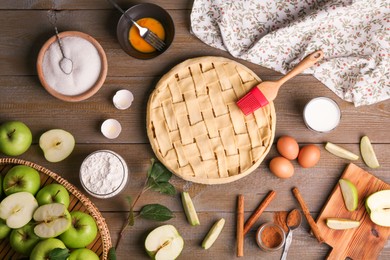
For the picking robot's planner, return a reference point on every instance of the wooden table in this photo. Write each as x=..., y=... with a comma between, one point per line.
x=24, y=28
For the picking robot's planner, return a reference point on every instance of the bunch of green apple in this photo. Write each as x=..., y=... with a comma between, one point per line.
x=37, y=220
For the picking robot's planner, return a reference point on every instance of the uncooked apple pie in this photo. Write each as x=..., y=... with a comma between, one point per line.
x=195, y=127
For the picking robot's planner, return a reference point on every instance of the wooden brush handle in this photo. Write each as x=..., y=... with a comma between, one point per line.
x=307, y=62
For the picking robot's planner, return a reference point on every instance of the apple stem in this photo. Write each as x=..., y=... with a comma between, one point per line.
x=11, y=133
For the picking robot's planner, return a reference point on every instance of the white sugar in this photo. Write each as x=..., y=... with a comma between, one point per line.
x=86, y=66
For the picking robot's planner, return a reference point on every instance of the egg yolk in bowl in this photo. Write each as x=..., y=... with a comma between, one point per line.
x=138, y=42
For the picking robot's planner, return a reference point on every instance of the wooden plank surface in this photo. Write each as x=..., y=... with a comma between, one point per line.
x=24, y=28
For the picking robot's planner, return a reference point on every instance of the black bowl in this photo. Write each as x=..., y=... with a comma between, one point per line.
x=142, y=11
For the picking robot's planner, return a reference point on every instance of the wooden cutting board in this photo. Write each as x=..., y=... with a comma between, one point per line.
x=364, y=242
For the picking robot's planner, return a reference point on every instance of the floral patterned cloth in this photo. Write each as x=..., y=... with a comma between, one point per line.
x=277, y=34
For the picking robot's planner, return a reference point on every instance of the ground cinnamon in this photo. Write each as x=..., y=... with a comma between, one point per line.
x=271, y=237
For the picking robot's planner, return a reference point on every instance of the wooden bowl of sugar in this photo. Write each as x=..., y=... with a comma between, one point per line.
x=89, y=69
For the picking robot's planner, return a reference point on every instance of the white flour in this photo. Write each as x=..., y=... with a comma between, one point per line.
x=103, y=174
x=86, y=66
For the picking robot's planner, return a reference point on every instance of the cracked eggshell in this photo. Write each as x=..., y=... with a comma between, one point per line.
x=111, y=128
x=123, y=99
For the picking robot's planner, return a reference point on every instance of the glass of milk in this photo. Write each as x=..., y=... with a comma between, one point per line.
x=321, y=114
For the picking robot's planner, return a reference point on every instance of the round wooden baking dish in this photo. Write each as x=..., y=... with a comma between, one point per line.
x=93, y=89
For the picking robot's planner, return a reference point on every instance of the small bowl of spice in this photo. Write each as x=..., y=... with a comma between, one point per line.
x=104, y=174
x=150, y=16
x=84, y=73
x=270, y=237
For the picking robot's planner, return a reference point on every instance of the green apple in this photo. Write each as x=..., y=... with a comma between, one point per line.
x=51, y=193
x=51, y=220
x=83, y=254
x=21, y=178
x=4, y=229
x=15, y=138
x=341, y=223
x=82, y=231
x=213, y=234
x=378, y=207
x=23, y=239
x=164, y=242
x=17, y=209
x=349, y=193
x=56, y=144
x=42, y=250
x=189, y=209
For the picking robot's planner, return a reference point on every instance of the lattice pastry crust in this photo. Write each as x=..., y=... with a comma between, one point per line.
x=195, y=127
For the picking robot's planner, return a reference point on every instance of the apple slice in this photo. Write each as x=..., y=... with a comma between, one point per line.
x=164, y=243
x=342, y=223
x=189, y=209
x=350, y=194
x=368, y=154
x=213, y=234
x=378, y=207
x=52, y=220
x=56, y=144
x=340, y=151
x=17, y=209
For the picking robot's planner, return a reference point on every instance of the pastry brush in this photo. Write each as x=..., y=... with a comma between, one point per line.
x=267, y=91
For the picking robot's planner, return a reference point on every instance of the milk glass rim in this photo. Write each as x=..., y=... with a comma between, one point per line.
x=328, y=99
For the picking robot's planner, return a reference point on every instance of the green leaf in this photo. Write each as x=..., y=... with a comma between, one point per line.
x=112, y=254
x=59, y=254
x=162, y=187
x=151, y=167
x=159, y=173
x=156, y=212
x=130, y=219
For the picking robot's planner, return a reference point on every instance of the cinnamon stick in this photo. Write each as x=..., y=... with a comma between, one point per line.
x=257, y=213
x=240, y=225
x=306, y=212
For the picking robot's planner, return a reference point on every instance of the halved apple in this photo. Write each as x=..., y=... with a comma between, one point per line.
x=51, y=220
x=17, y=209
x=164, y=243
x=378, y=207
x=56, y=144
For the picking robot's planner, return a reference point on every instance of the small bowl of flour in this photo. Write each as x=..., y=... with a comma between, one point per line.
x=89, y=66
x=104, y=174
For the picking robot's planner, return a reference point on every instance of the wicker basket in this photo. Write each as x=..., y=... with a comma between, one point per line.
x=195, y=127
x=78, y=202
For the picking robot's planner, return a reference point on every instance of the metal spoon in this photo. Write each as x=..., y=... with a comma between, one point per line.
x=294, y=220
x=66, y=64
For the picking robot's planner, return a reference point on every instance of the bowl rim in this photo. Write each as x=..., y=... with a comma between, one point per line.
x=145, y=56
x=93, y=89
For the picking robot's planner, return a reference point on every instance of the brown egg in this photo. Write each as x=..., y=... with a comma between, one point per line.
x=288, y=147
x=309, y=156
x=281, y=167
